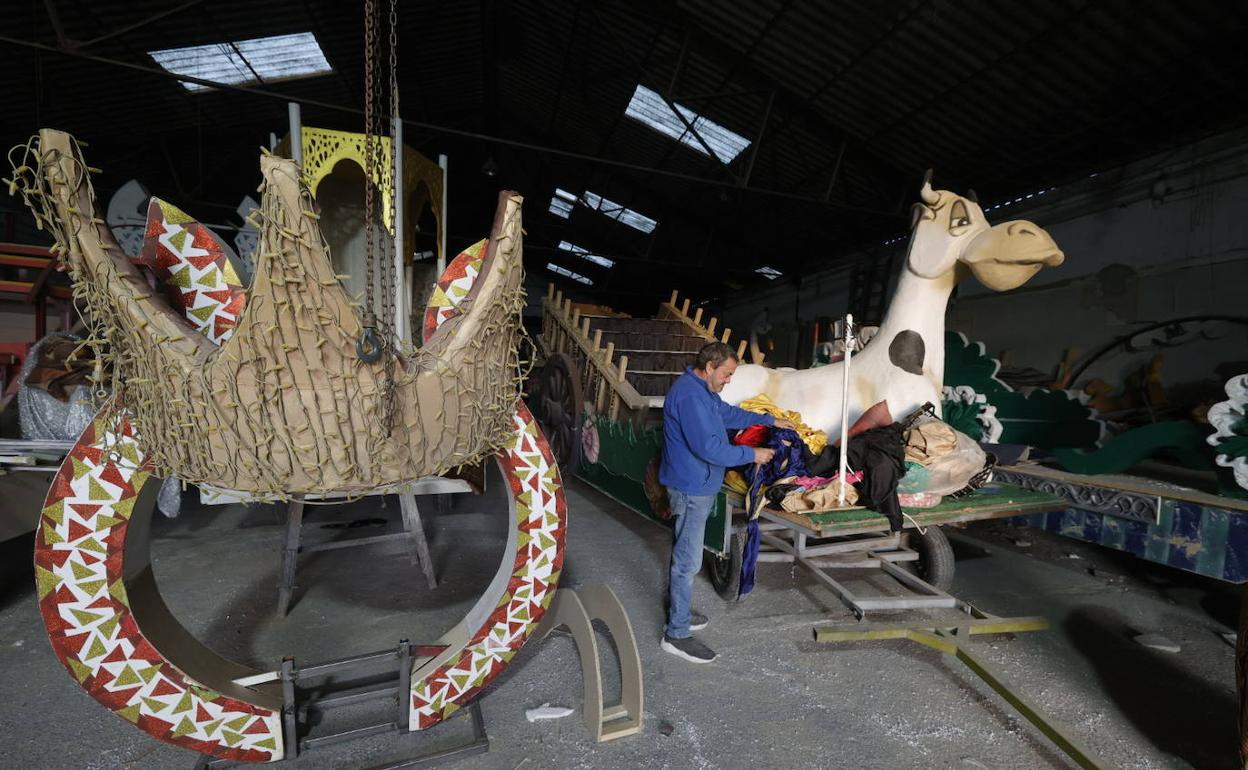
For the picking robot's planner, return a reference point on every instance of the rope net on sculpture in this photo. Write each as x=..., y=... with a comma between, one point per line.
x=285, y=406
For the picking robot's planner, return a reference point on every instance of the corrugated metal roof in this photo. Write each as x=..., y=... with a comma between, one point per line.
x=1007, y=97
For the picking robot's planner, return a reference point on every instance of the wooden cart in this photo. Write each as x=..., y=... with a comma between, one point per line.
x=599, y=396
x=919, y=556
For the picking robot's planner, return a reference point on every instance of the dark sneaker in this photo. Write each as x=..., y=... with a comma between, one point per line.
x=688, y=648
x=697, y=621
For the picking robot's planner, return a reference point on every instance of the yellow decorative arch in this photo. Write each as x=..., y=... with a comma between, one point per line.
x=323, y=148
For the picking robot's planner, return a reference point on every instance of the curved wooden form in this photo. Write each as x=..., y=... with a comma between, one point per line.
x=112, y=631
x=107, y=623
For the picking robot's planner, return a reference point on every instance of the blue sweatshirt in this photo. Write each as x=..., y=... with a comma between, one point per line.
x=695, y=436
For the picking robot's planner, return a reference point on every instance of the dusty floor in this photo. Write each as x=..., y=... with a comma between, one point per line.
x=773, y=699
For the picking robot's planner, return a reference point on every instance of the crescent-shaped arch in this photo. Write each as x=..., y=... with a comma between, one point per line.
x=112, y=631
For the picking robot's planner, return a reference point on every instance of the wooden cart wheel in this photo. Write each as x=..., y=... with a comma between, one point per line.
x=935, y=565
x=725, y=571
x=562, y=408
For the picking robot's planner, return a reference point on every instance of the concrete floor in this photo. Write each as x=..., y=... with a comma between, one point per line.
x=773, y=699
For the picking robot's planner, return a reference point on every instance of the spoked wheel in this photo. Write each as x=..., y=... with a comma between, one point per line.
x=935, y=565
x=562, y=405
x=725, y=571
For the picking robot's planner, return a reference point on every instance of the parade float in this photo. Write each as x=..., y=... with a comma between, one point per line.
x=278, y=391
x=604, y=378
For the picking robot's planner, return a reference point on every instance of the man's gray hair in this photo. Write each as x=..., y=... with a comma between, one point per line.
x=715, y=354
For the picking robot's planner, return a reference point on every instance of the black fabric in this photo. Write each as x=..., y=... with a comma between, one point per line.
x=776, y=493
x=880, y=453
x=827, y=463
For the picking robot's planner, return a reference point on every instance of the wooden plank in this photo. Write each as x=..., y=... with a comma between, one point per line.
x=1011, y=501
x=682, y=315
x=1135, y=485
x=569, y=334
x=24, y=288
x=26, y=250
x=14, y=260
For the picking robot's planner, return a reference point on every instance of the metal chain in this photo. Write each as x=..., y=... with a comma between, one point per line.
x=391, y=276
x=370, y=45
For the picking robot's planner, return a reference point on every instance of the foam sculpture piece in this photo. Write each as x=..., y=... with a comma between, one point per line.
x=285, y=406
x=98, y=596
x=194, y=269
x=904, y=364
x=1229, y=419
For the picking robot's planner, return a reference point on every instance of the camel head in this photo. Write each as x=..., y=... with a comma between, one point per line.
x=948, y=229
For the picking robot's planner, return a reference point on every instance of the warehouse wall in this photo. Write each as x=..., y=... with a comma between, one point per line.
x=789, y=308
x=1160, y=239
x=1154, y=241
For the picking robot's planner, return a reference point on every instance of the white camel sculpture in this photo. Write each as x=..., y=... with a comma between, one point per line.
x=905, y=362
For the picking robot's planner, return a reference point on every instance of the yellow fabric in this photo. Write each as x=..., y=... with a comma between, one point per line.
x=736, y=482
x=815, y=440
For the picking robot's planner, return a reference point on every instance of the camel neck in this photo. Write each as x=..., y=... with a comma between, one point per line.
x=918, y=305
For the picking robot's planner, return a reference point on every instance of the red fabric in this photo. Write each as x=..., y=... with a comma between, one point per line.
x=755, y=435
x=872, y=418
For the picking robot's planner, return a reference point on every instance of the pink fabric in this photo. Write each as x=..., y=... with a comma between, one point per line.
x=813, y=482
x=809, y=482
x=919, y=500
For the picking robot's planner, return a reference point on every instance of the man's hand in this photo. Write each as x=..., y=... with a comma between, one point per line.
x=785, y=424
x=763, y=455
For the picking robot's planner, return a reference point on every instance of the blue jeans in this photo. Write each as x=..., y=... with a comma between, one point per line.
x=690, y=513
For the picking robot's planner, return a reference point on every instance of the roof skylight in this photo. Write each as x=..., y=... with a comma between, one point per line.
x=552, y=267
x=585, y=254
x=242, y=62
x=617, y=212
x=561, y=203
x=770, y=272
x=648, y=107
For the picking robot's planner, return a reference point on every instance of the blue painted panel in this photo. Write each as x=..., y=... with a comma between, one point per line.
x=1091, y=526
x=1136, y=537
x=1113, y=532
x=1235, y=566
x=1207, y=541
x=1157, y=547
x=1184, y=539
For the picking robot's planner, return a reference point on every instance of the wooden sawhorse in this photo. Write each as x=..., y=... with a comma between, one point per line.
x=413, y=533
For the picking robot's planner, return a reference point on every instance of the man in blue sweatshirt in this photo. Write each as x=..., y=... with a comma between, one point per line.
x=696, y=451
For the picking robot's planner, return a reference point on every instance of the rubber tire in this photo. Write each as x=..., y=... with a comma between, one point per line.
x=725, y=571
x=936, y=564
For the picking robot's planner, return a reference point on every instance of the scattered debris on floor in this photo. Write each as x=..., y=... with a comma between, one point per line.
x=546, y=711
x=1112, y=577
x=1157, y=642
x=665, y=728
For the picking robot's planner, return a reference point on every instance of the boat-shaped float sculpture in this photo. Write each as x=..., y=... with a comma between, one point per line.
x=283, y=406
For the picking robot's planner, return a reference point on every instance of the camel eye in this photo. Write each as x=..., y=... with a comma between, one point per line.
x=958, y=215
